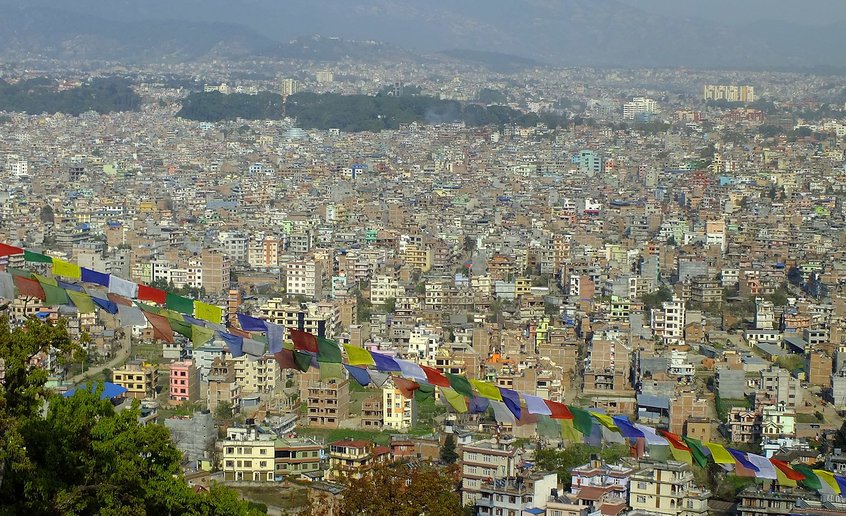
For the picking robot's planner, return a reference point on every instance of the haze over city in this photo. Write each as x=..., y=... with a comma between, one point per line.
x=371, y=257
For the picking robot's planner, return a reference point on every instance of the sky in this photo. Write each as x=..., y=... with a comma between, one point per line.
x=740, y=12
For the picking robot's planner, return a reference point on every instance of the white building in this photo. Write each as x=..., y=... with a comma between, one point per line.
x=304, y=278
x=668, y=321
x=384, y=287
x=398, y=412
x=639, y=106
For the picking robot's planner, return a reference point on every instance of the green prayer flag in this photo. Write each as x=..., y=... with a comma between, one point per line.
x=180, y=304
x=200, y=335
x=148, y=308
x=303, y=360
x=329, y=370
x=54, y=295
x=37, y=257
x=328, y=351
x=82, y=302
x=460, y=384
x=697, y=451
x=569, y=432
x=812, y=481
x=44, y=280
x=181, y=327
x=424, y=392
x=260, y=337
x=19, y=272
x=171, y=315
x=582, y=420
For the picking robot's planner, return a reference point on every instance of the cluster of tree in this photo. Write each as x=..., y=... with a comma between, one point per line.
x=398, y=489
x=80, y=456
x=40, y=95
x=215, y=106
x=355, y=113
x=563, y=460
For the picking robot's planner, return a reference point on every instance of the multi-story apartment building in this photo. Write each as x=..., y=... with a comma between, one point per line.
x=511, y=496
x=259, y=375
x=248, y=454
x=322, y=319
x=304, y=278
x=668, y=321
x=491, y=459
x=296, y=457
x=328, y=403
x=398, y=412
x=351, y=459
x=184, y=382
x=139, y=378
x=372, y=414
x=222, y=385
x=216, y=271
x=667, y=488
x=384, y=287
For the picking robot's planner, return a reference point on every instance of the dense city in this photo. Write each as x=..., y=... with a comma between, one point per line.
x=638, y=310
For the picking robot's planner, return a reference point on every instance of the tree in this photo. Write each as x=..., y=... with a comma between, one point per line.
x=448, y=453
x=400, y=490
x=82, y=456
x=390, y=305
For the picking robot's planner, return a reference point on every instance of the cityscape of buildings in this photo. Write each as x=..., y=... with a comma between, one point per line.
x=673, y=255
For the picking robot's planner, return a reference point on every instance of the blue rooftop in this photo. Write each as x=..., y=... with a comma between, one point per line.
x=110, y=390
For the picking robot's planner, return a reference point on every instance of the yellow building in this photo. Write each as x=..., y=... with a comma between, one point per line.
x=667, y=488
x=139, y=379
x=398, y=412
x=418, y=258
x=248, y=454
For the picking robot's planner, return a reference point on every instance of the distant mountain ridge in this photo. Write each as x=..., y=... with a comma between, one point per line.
x=560, y=32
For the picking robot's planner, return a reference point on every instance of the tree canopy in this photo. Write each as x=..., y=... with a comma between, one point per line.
x=40, y=95
x=82, y=456
x=398, y=489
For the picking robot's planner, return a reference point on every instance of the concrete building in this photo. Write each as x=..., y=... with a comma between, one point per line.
x=184, y=382
x=139, y=378
x=778, y=421
x=194, y=436
x=667, y=488
x=398, y=412
x=491, y=459
x=372, y=414
x=222, y=385
x=304, y=278
x=668, y=321
x=296, y=457
x=328, y=403
x=778, y=386
x=515, y=495
x=731, y=383
x=247, y=454
x=216, y=271
x=819, y=365
x=352, y=459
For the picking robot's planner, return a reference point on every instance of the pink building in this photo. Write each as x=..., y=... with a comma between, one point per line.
x=184, y=385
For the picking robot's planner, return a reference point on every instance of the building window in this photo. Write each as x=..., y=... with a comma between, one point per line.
x=641, y=499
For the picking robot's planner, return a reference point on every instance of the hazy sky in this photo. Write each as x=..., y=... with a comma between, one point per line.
x=810, y=12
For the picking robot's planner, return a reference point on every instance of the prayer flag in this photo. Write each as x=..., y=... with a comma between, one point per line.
x=697, y=450
x=502, y=413
x=54, y=295
x=357, y=355
x=384, y=362
x=582, y=420
x=250, y=323
x=454, y=398
x=681, y=452
x=652, y=438
x=511, y=399
x=765, y=467
x=208, y=312
x=8, y=250
x=359, y=374
x=558, y=410
x=424, y=391
x=105, y=304
x=181, y=327
x=486, y=390
x=234, y=343
x=31, y=256
x=146, y=293
x=536, y=405
x=435, y=377
x=302, y=359
x=406, y=387
x=200, y=335
x=328, y=351
x=29, y=287
x=119, y=299
x=719, y=454
x=378, y=377
x=254, y=348
x=99, y=278
x=627, y=429
x=161, y=326
x=411, y=370
x=122, y=287
x=66, y=269
x=460, y=385
x=275, y=337
x=740, y=458
x=788, y=471
x=303, y=341
x=82, y=302
x=285, y=359
x=828, y=480
x=569, y=432
x=331, y=370
x=180, y=304
x=478, y=405
x=605, y=420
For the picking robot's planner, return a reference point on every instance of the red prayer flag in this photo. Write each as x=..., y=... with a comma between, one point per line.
x=8, y=250
x=406, y=387
x=285, y=359
x=675, y=440
x=155, y=295
x=30, y=288
x=435, y=377
x=118, y=299
x=789, y=472
x=303, y=341
x=559, y=410
x=161, y=327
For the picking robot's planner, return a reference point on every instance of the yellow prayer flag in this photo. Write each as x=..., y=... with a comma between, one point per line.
x=783, y=480
x=458, y=402
x=828, y=478
x=606, y=421
x=45, y=280
x=207, y=312
x=358, y=356
x=66, y=269
x=486, y=390
x=720, y=454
